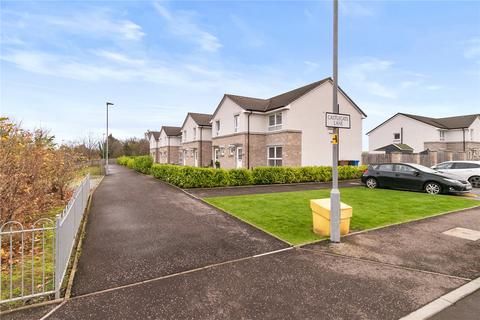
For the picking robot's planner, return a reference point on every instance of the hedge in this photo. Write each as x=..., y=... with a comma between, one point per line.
x=193, y=177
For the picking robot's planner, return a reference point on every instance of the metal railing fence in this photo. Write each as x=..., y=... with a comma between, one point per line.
x=34, y=261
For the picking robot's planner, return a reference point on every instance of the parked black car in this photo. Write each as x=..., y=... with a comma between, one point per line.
x=409, y=176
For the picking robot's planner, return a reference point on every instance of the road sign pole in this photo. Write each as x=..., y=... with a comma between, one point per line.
x=335, y=192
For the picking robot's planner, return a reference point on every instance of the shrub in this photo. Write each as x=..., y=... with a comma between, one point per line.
x=192, y=177
x=123, y=160
x=239, y=177
x=142, y=164
x=130, y=162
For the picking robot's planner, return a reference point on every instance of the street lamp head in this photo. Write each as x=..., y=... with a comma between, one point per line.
x=109, y=104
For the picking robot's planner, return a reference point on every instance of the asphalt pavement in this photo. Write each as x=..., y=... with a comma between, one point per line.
x=153, y=252
x=140, y=228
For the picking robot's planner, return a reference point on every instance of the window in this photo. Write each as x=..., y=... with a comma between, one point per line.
x=184, y=135
x=216, y=155
x=275, y=121
x=235, y=123
x=442, y=135
x=275, y=156
x=404, y=169
x=443, y=166
x=217, y=126
x=465, y=165
x=385, y=167
x=396, y=136
x=194, y=133
x=471, y=134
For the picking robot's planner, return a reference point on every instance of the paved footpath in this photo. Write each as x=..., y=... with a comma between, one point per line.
x=153, y=252
x=140, y=228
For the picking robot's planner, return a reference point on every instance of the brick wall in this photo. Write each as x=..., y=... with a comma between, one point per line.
x=291, y=141
x=168, y=155
x=206, y=153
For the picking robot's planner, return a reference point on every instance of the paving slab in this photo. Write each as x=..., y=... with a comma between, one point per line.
x=140, y=228
x=293, y=284
x=244, y=190
x=420, y=245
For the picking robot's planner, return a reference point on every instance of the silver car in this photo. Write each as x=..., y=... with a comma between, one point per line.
x=467, y=170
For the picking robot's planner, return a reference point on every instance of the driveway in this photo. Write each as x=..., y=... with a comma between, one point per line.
x=140, y=228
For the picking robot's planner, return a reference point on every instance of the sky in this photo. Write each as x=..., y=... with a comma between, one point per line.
x=157, y=60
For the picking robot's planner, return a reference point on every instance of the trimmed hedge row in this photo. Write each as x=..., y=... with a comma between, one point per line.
x=139, y=163
x=192, y=177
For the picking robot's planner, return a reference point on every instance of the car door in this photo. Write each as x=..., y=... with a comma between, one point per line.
x=384, y=174
x=463, y=170
x=407, y=177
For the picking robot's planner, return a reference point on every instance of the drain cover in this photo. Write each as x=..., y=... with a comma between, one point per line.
x=463, y=233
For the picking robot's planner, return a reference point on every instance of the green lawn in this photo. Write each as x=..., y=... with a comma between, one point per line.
x=288, y=216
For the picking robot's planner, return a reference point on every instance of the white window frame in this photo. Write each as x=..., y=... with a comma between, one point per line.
x=471, y=134
x=194, y=133
x=277, y=125
x=275, y=158
x=217, y=127
x=442, y=135
x=216, y=154
x=236, y=122
x=184, y=135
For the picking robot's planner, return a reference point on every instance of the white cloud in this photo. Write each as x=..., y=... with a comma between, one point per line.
x=434, y=87
x=365, y=75
x=354, y=9
x=181, y=24
x=95, y=23
x=472, y=48
x=311, y=64
x=251, y=37
x=119, y=58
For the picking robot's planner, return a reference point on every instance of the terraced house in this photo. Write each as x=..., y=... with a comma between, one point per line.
x=169, y=145
x=285, y=130
x=152, y=137
x=196, y=144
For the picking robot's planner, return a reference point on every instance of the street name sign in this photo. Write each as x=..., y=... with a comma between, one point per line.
x=337, y=120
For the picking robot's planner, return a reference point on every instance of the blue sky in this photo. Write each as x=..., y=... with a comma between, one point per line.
x=60, y=61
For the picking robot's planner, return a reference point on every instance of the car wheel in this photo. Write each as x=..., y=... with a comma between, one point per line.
x=475, y=181
x=432, y=188
x=371, y=183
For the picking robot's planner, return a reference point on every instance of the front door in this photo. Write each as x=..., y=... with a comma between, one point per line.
x=184, y=157
x=195, y=156
x=239, y=157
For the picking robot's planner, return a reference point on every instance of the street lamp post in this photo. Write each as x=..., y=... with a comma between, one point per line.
x=103, y=146
x=106, y=151
x=335, y=192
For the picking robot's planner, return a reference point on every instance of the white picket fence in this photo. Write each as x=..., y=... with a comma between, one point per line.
x=50, y=244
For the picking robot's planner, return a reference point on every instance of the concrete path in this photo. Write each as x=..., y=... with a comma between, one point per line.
x=236, y=191
x=140, y=228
